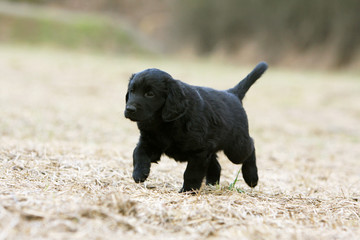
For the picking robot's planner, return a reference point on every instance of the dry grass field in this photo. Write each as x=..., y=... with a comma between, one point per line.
x=66, y=154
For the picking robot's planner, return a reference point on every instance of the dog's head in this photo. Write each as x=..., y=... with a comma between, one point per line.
x=153, y=92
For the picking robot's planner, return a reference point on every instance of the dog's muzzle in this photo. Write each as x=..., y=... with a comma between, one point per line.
x=130, y=112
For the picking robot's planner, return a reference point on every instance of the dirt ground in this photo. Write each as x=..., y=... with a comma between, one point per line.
x=66, y=154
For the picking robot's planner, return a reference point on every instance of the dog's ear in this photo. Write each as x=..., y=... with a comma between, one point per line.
x=176, y=103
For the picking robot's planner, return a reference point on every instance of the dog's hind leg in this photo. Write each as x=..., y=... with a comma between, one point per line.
x=249, y=170
x=244, y=154
x=238, y=152
x=213, y=171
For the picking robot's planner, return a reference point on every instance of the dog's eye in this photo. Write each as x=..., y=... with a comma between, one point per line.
x=149, y=94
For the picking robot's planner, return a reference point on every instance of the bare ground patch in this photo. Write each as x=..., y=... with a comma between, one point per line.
x=65, y=155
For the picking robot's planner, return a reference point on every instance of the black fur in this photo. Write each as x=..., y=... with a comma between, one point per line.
x=190, y=124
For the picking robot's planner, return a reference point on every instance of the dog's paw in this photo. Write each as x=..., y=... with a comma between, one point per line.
x=190, y=192
x=189, y=189
x=251, y=178
x=140, y=176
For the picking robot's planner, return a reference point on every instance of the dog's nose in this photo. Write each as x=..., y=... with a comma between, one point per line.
x=130, y=109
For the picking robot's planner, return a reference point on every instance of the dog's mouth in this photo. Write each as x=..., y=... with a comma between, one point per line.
x=130, y=116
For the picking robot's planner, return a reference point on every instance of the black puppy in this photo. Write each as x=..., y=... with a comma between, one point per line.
x=190, y=124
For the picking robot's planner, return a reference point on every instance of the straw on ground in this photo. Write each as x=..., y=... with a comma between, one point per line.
x=66, y=155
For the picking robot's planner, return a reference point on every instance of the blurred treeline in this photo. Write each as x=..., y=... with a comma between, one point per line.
x=275, y=26
x=309, y=32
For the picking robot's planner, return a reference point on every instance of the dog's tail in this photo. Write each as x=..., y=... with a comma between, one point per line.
x=242, y=87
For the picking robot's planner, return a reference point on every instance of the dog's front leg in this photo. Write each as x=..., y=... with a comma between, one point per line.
x=141, y=163
x=144, y=154
x=194, y=175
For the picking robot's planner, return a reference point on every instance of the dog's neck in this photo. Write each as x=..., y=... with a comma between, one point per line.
x=155, y=123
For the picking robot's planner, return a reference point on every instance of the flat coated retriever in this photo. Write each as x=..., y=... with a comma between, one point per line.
x=190, y=124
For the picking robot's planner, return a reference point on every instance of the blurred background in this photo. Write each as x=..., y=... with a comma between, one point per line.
x=298, y=33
